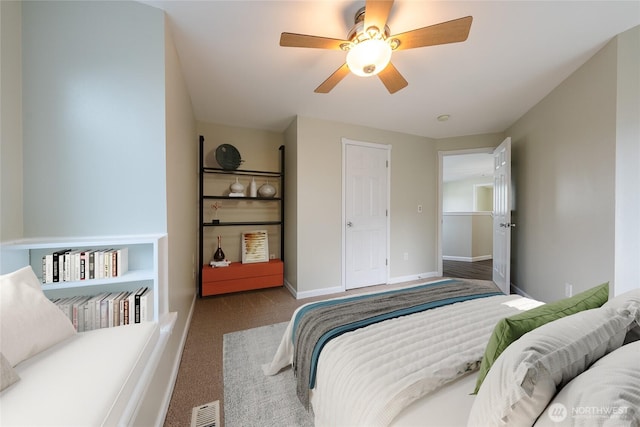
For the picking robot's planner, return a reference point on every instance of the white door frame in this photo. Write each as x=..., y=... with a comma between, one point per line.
x=441, y=155
x=345, y=142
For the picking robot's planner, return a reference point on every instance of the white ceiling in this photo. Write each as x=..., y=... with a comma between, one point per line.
x=516, y=53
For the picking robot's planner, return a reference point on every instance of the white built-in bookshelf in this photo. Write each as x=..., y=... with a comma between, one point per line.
x=146, y=255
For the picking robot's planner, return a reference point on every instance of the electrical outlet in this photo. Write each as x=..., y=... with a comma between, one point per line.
x=568, y=289
x=419, y=208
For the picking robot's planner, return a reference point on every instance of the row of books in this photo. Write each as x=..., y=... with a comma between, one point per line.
x=74, y=265
x=108, y=309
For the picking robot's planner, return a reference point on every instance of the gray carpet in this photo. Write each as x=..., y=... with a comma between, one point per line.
x=250, y=397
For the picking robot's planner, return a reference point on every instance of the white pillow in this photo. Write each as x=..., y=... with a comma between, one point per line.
x=527, y=374
x=29, y=322
x=632, y=296
x=629, y=300
x=608, y=393
x=8, y=375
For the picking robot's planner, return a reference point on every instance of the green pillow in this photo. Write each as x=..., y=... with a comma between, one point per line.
x=509, y=329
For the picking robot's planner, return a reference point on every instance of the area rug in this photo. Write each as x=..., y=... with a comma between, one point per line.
x=250, y=397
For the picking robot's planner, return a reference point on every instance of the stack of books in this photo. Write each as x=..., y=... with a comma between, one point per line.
x=108, y=309
x=74, y=265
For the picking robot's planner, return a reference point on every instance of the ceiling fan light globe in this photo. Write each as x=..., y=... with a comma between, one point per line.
x=368, y=57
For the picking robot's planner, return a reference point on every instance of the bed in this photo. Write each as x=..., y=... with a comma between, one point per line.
x=419, y=355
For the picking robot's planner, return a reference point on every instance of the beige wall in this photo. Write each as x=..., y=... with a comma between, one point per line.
x=182, y=223
x=319, y=203
x=459, y=196
x=467, y=236
x=482, y=237
x=564, y=170
x=291, y=206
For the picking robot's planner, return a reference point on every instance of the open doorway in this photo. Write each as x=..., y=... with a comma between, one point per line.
x=466, y=201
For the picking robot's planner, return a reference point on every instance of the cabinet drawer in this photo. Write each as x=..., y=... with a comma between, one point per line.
x=242, y=277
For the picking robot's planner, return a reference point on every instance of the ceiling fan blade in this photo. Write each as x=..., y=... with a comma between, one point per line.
x=333, y=79
x=376, y=13
x=392, y=79
x=303, y=40
x=443, y=33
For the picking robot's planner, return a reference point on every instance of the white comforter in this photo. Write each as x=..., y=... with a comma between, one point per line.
x=366, y=377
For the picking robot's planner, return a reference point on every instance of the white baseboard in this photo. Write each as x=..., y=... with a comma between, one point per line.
x=313, y=293
x=338, y=289
x=467, y=259
x=520, y=291
x=411, y=278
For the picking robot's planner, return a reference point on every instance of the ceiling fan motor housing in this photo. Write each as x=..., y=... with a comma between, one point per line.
x=369, y=51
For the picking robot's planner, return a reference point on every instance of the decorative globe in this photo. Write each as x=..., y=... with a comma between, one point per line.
x=267, y=190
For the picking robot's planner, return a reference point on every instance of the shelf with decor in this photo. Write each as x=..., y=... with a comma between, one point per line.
x=257, y=207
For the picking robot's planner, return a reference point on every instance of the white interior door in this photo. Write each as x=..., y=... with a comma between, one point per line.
x=502, y=216
x=366, y=201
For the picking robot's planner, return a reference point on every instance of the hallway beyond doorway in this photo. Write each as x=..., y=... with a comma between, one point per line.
x=481, y=270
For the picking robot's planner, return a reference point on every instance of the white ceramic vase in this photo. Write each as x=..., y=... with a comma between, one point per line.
x=236, y=187
x=267, y=190
x=253, y=189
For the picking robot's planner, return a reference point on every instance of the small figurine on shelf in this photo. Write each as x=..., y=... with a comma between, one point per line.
x=219, y=259
x=215, y=206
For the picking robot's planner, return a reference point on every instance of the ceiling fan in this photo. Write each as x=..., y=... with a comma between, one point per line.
x=369, y=45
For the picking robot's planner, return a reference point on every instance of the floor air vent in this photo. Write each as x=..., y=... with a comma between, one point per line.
x=206, y=415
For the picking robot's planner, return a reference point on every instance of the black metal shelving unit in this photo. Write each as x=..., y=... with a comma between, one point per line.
x=237, y=172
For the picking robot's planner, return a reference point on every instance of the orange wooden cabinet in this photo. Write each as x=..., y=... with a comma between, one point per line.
x=242, y=277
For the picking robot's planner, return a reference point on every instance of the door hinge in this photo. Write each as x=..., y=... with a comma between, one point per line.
x=387, y=163
x=386, y=212
x=386, y=261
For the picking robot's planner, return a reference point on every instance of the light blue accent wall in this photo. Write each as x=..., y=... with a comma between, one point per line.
x=94, y=119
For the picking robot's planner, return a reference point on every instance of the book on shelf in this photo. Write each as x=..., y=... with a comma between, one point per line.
x=84, y=264
x=122, y=261
x=92, y=263
x=136, y=306
x=121, y=308
x=101, y=312
x=78, y=312
x=146, y=305
x=57, y=264
x=47, y=268
x=107, y=309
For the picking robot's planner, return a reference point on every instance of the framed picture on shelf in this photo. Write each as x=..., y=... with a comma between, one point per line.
x=255, y=246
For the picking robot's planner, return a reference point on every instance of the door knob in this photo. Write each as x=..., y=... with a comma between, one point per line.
x=349, y=224
x=507, y=224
